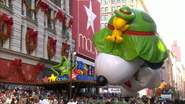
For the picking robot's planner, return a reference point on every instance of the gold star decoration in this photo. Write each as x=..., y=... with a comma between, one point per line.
x=52, y=78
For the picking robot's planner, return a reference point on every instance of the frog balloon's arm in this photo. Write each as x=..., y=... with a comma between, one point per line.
x=52, y=67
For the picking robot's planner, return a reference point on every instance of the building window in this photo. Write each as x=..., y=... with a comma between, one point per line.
x=70, y=7
x=102, y=1
x=112, y=14
x=7, y=3
x=131, y=6
x=106, y=9
x=3, y=31
x=105, y=24
x=35, y=13
x=106, y=1
x=113, y=9
x=106, y=17
x=49, y=57
x=57, y=2
x=102, y=25
x=1, y=43
x=102, y=17
x=64, y=5
x=21, y=37
x=118, y=1
x=102, y=9
x=28, y=51
x=113, y=1
x=118, y=7
x=124, y=1
x=124, y=5
x=22, y=7
x=131, y=1
x=28, y=12
x=49, y=21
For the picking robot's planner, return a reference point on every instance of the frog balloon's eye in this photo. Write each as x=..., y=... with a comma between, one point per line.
x=154, y=66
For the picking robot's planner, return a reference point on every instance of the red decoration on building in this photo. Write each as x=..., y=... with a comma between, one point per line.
x=64, y=51
x=17, y=64
x=8, y=22
x=31, y=39
x=51, y=47
x=40, y=68
x=20, y=69
x=44, y=7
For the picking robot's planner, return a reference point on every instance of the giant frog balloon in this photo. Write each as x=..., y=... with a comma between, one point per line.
x=128, y=43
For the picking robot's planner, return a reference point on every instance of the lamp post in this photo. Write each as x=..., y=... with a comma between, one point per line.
x=73, y=53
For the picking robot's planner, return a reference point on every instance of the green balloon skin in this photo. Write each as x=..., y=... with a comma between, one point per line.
x=150, y=48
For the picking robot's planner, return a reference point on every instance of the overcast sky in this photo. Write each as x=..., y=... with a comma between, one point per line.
x=169, y=16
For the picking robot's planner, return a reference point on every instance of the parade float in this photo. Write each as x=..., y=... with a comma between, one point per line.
x=65, y=72
x=130, y=52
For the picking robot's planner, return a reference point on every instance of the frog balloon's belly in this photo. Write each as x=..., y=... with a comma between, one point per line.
x=114, y=69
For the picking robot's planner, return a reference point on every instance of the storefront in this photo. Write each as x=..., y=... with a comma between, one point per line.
x=110, y=90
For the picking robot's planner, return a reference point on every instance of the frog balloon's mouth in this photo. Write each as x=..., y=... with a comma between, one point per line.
x=128, y=84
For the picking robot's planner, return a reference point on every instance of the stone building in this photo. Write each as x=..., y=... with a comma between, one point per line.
x=26, y=16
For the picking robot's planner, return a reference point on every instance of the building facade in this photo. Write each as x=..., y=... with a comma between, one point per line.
x=178, y=70
x=33, y=28
x=167, y=69
x=109, y=6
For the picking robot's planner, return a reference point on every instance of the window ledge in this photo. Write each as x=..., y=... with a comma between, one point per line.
x=18, y=53
x=50, y=30
x=6, y=8
x=30, y=20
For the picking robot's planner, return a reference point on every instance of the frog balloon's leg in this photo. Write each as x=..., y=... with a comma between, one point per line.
x=111, y=38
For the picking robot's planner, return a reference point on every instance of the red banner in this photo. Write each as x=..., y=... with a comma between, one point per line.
x=86, y=22
x=28, y=71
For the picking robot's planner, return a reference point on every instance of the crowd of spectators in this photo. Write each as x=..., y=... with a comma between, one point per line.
x=39, y=95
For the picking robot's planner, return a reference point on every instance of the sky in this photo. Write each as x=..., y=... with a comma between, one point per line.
x=169, y=16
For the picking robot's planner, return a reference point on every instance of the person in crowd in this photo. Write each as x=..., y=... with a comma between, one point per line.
x=123, y=101
x=23, y=101
x=3, y=100
x=14, y=100
x=133, y=100
x=43, y=100
x=116, y=100
x=36, y=99
x=108, y=100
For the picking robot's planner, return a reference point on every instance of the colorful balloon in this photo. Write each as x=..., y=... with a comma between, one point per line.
x=126, y=45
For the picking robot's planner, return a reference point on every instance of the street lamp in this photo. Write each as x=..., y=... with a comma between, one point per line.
x=73, y=53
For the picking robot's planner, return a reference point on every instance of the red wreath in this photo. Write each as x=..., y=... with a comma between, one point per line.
x=31, y=39
x=8, y=22
x=64, y=51
x=51, y=47
x=44, y=8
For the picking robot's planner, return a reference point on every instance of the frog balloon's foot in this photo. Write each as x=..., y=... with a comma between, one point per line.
x=119, y=39
x=110, y=38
